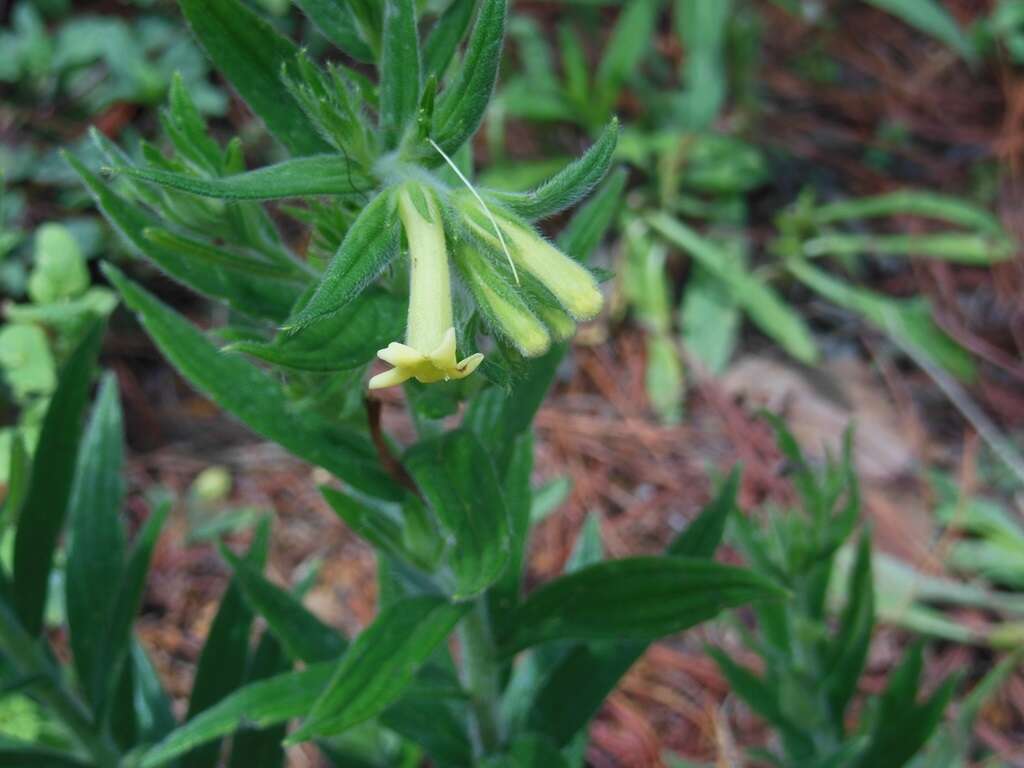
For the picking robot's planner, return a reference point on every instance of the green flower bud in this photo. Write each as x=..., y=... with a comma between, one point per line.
x=502, y=305
x=569, y=282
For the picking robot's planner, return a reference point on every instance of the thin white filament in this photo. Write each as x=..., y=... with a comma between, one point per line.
x=487, y=211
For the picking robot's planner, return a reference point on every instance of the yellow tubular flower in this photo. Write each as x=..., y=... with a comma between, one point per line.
x=428, y=354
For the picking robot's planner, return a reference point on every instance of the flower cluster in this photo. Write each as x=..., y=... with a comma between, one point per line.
x=528, y=291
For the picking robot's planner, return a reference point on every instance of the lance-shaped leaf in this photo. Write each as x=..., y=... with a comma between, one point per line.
x=762, y=304
x=445, y=36
x=261, y=747
x=223, y=660
x=25, y=754
x=909, y=202
x=636, y=598
x=254, y=397
x=972, y=249
x=370, y=243
x=399, y=69
x=117, y=639
x=303, y=636
x=253, y=295
x=518, y=499
x=907, y=321
x=591, y=222
x=95, y=549
x=462, y=105
x=299, y=177
x=46, y=501
x=380, y=664
x=339, y=342
x=247, y=50
x=457, y=477
x=568, y=186
x=850, y=647
x=261, y=705
x=153, y=714
x=381, y=530
x=573, y=690
x=335, y=19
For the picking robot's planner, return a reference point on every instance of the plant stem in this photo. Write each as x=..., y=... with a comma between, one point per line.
x=30, y=661
x=481, y=677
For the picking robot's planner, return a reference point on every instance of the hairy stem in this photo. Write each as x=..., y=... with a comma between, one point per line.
x=481, y=678
x=30, y=661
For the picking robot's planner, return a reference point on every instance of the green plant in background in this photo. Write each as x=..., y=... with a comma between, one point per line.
x=39, y=334
x=74, y=484
x=811, y=666
x=693, y=174
x=477, y=315
x=93, y=61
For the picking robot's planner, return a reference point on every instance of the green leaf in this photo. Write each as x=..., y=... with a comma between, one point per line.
x=96, y=548
x=335, y=20
x=117, y=639
x=17, y=754
x=381, y=531
x=49, y=491
x=700, y=539
x=187, y=129
x=26, y=360
x=955, y=247
x=458, y=479
x=445, y=36
x=519, y=500
x=153, y=714
x=303, y=636
x=758, y=694
x=589, y=546
x=299, y=177
x=342, y=341
x=710, y=320
x=637, y=598
x=433, y=725
x=630, y=41
x=761, y=303
x=19, y=475
x=568, y=186
x=370, y=243
x=225, y=655
x=261, y=704
x=572, y=691
x=253, y=295
x=250, y=54
x=902, y=726
x=907, y=321
x=399, y=69
x=528, y=751
x=462, y=105
x=931, y=18
x=702, y=28
x=910, y=202
x=254, y=397
x=853, y=638
x=592, y=221
x=261, y=747
x=380, y=664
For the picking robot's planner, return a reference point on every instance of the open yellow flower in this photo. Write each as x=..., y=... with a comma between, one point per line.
x=429, y=353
